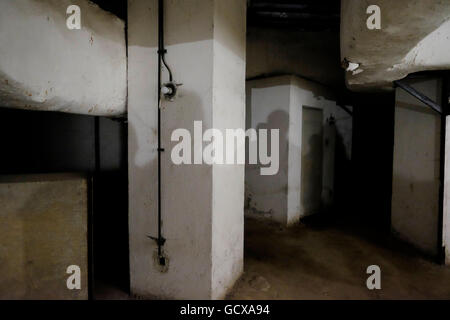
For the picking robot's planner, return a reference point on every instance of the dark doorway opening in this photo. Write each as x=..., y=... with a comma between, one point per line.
x=36, y=142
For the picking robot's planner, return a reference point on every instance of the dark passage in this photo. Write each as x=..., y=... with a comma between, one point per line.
x=48, y=142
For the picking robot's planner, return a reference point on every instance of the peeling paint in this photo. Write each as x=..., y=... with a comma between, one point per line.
x=352, y=66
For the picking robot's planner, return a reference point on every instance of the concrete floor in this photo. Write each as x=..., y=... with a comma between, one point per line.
x=321, y=261
x=325, y=262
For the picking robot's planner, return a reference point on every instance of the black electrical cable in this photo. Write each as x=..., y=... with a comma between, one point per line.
x=161, y=53
x=161, y=49
x=161, y=61
x=163, y=58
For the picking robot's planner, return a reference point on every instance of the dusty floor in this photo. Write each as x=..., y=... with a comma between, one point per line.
x=317, y=261
x=323, y=262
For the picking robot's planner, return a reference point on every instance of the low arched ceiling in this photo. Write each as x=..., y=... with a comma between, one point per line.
x=46, y=66
x=414, y=36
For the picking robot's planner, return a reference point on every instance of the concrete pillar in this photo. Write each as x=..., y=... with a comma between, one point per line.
x=46, y=66
x=446, y=192
x=301, y=110
x=416, y=169
x=446, y=197
x=202, y=205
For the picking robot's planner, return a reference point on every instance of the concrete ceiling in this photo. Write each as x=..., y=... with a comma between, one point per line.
x=46, y=66
x=299, y=15
x=414, y=36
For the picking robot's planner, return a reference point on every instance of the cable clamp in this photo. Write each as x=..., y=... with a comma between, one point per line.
x=159, y=241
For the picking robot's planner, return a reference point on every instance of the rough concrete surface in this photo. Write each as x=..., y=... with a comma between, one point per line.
x=314, y=55
x=414, y=36
x=279, y=103
x=202, y=205
x=46, y=66
x=325, y=262
x=43, y=230
x=416, y=167
x=318, y=261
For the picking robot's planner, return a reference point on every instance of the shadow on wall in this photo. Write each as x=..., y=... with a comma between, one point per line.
x=416, y=222
x=269, y=193
x=312, y=165
x=186, y=212
x=342, y=176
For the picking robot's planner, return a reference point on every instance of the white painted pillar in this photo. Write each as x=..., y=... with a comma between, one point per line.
x=202, y=205
x=416, y=168
x=280, y=103
x=269, y=107
x=446, y=192
x=446, y=198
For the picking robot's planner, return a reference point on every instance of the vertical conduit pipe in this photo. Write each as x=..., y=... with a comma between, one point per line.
x=161, y=52
x=442, y=171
